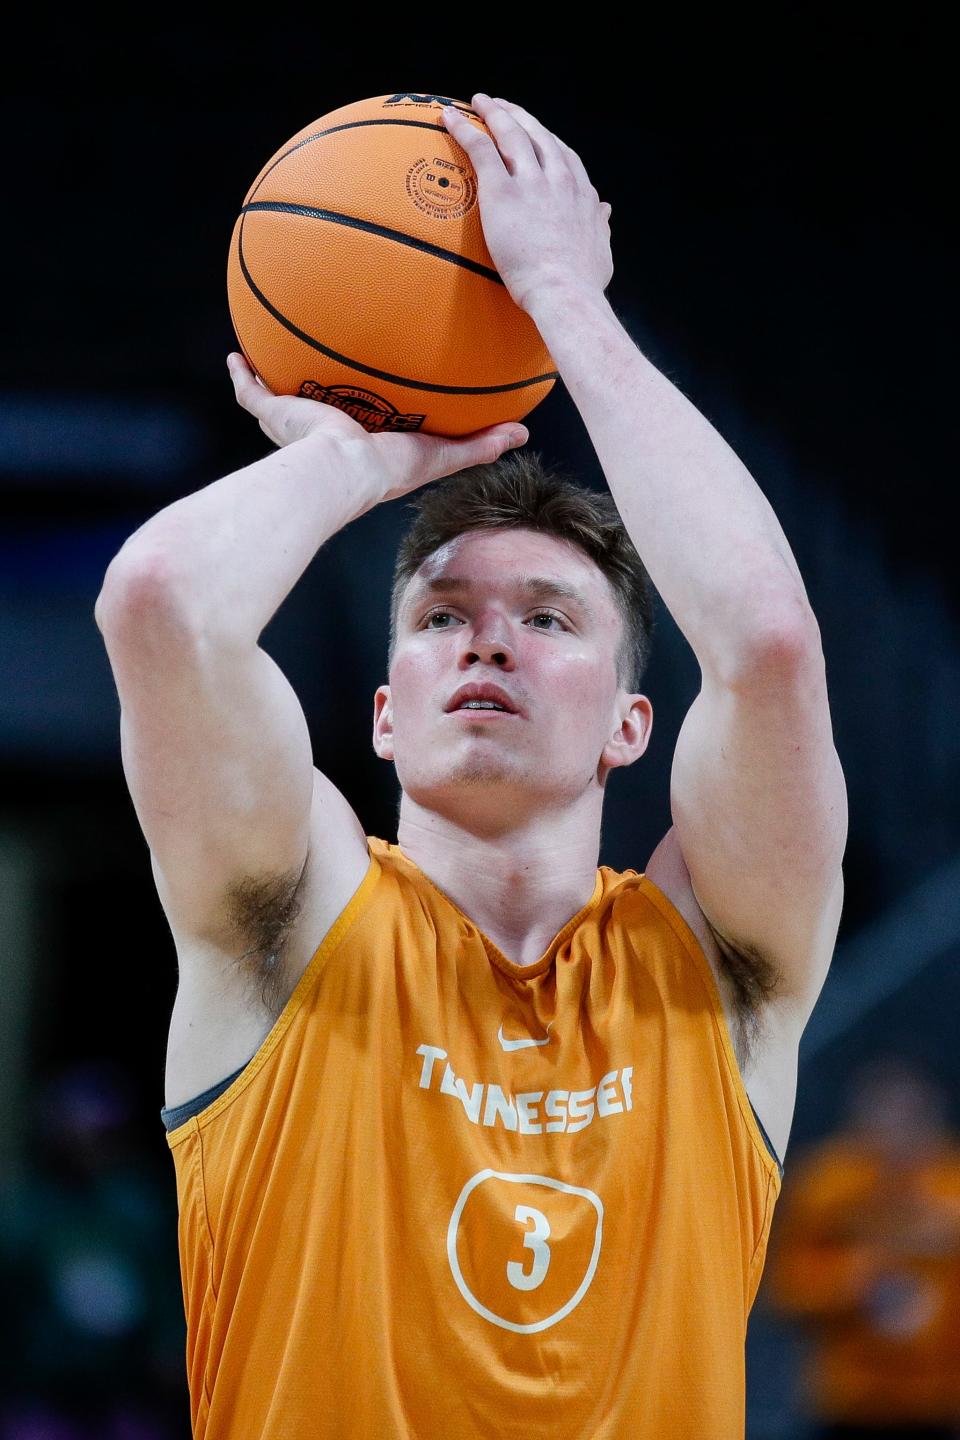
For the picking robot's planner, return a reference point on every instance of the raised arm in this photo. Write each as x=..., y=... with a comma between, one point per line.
x=757, y=792
x=215, y=745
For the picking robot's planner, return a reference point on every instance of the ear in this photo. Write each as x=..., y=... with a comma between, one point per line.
x=631, y=737
x=383, y=722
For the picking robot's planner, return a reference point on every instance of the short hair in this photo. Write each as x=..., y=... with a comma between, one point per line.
x=519, y=491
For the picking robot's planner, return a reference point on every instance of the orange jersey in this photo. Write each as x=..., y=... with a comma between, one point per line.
x=868, y=1255
x=455, y=1198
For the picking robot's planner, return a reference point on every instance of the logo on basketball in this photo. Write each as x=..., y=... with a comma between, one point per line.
x=368, y=409
x=441, y=189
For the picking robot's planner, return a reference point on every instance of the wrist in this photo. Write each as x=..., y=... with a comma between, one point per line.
x=552, y=302
x=360, y=468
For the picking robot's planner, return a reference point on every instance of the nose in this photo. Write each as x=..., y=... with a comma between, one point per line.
x=490, y=641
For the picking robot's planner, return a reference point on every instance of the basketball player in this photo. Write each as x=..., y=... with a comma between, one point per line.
x=472, y=1136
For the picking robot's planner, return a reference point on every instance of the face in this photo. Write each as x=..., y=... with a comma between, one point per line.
x=533, y=616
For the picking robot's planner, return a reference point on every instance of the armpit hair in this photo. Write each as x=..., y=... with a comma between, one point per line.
x=263, y=910
x=754, y=979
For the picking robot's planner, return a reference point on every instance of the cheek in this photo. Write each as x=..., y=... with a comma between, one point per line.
x=579, y=683
x=414, y=684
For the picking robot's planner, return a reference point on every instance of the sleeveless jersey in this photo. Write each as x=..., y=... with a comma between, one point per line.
x=451, y=1197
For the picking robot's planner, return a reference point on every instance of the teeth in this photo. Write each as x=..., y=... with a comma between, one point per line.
x=480, y=705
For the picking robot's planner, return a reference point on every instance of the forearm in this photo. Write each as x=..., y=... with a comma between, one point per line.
x=707, y=535
x=231, y=552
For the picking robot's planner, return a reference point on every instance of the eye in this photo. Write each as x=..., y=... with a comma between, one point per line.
x=448, y=615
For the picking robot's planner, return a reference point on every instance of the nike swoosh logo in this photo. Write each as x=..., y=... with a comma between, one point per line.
x=521, y=1044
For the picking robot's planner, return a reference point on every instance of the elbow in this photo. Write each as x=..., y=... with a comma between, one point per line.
x=794, y=640
x=785, y=645
x=131, y=583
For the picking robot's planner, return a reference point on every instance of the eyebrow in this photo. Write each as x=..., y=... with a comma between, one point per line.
x=534, y=587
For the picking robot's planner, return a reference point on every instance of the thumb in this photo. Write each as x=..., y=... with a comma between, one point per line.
x=449, y=453
x=412, y=459
x=483, y=445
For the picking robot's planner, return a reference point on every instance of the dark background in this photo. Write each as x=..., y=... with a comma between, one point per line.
x=779, y=195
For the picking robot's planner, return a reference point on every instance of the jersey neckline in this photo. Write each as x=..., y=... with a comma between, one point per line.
x=494, y=953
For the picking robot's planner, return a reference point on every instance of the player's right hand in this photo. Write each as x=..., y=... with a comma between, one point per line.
x=401, y=461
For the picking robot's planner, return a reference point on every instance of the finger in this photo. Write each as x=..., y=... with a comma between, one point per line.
x=253, y=374
x=480, y=448
x=480, y=147
x=514, y=140
x=574, y=164
x=550, y=151
x=579, y=169
x=411, y=459
x=250, y=394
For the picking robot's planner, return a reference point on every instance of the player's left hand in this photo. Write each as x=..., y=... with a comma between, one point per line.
x=543, y=221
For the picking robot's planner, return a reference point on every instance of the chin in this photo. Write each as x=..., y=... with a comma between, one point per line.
x=467, y=775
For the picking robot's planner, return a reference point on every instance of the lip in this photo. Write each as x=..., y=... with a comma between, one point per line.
x=482, y=690
x=485, y=714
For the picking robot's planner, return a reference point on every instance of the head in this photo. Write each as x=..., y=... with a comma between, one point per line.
x=515, y=576
x=897, y=1105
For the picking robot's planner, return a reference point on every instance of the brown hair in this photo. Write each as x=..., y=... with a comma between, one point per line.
x=519, y=490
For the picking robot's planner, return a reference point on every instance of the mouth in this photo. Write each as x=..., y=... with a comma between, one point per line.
x=482, y=698
x=484, y=714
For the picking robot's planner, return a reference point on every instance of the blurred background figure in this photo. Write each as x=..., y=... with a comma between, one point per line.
x=866, y=1256
x=83, y=1235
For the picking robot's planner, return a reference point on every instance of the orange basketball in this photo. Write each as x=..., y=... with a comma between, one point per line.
x=358, y=275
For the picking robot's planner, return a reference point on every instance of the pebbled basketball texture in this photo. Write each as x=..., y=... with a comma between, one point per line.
x=358, y=275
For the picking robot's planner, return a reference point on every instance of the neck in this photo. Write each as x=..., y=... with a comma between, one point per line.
x=519, y=887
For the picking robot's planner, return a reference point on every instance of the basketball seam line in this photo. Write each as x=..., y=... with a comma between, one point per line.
x=347, y=125
x=313, y=212
x=369, y=369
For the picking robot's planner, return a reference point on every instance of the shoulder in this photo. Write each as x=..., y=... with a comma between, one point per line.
x=745, y=978
x=283, y=921
x=764, y=1032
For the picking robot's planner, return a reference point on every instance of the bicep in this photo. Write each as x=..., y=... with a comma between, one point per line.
x=217, y=757
x=760, y=808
